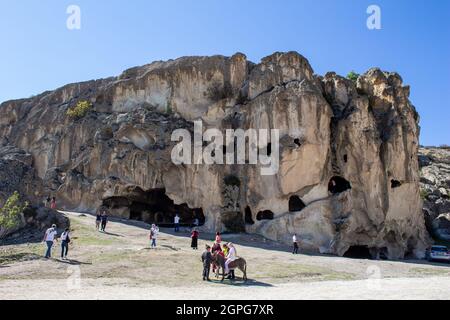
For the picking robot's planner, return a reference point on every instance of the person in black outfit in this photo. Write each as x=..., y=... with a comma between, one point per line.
x=207, y=260
x=104, y=218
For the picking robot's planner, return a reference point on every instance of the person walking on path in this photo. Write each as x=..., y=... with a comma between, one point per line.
x=98, y=220
x=295, y=243
x=154, y=235
x=176, y=222
x=194, y=237
x=49, y=239
x=206, y=259
x=104, y=220
x=53, y=203
x=65, y=240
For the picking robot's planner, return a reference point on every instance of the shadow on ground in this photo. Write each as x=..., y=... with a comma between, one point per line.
x=19, y=257
x=241, y=283
x=74, y=262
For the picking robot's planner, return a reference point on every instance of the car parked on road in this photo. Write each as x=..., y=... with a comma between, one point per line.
x=438, y=253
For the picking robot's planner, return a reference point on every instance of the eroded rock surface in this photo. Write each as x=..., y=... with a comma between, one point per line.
x=348, y=151
x=435, y=190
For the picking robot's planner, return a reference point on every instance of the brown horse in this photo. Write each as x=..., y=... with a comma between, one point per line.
x=239, y=263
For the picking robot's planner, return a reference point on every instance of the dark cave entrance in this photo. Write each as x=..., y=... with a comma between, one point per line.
x=395, y=184
x=248, y=216
x=358, y=252
x=154, y=206
x=338, y=185
x=296, y=204
x=264, y=215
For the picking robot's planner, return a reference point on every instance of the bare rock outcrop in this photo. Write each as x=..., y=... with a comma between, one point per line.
x=348, y=173
x=435, y=190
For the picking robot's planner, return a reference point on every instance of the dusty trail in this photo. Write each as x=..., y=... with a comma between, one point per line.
x=119, y=265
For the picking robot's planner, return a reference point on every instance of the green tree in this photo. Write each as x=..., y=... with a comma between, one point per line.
x=352, y=75
x=79, y=110
x=10, y=213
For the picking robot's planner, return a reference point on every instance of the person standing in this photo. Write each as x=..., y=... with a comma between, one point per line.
x=65, y=240
x=295, y=243
x=49, y=238
x=194, y=237
x=48, y=202
x=104, y=220
x=154, y=235
x=206, y=259
x=53, y=203
x=218, y=238
x=176, y=221
x=196, y=223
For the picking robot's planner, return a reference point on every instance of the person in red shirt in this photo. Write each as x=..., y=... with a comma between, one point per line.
x=218, y=238
x=194, y=237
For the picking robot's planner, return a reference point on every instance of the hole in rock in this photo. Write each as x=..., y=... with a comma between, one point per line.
x=296, y=204
x=338, y=185
x=345, y=158
x=248, y=216
x=358, y=252
x=154, y=206
x=232, y=180
x=264, y=215
x=297, y=142
x=395, y=184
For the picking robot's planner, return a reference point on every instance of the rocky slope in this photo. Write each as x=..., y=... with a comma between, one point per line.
x=435, y=190
x=348, y=175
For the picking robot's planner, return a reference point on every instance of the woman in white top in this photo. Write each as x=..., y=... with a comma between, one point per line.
x=231, y=256
x=65, y=239
x=154, y=235
x=49, y=238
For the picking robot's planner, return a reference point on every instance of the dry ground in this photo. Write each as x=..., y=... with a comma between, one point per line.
x=120, y=265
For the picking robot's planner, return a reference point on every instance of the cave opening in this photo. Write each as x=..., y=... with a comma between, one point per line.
x=358, y=252
x=264, y=215
x=154, y=206
x=297, y=142
x=296, y=204
x=345, y=158
x=338, y=185
x=249, y=216
x=395, y=184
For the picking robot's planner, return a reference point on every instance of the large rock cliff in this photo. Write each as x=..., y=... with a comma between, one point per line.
x=435, y=190
x=348, y=177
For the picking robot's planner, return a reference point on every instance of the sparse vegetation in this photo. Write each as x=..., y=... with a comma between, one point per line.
x=352, y=75
x=423, y=194
x=11, y=211
x=169, y=109
x=218, y=91
x=79, y=110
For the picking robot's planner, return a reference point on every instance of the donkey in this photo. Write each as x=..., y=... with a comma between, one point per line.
x=239, y=263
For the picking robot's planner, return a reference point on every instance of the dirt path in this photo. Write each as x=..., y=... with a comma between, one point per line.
x=120, y=265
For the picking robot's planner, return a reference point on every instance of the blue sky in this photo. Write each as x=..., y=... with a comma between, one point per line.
x=39, y=53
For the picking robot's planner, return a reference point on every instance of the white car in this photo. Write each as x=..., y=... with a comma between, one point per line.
x=438, y=253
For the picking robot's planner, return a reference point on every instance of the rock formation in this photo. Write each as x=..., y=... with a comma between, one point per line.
x=348, y=177
x=435, y=190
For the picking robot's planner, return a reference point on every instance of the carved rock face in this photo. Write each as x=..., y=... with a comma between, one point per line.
x=341, y=146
